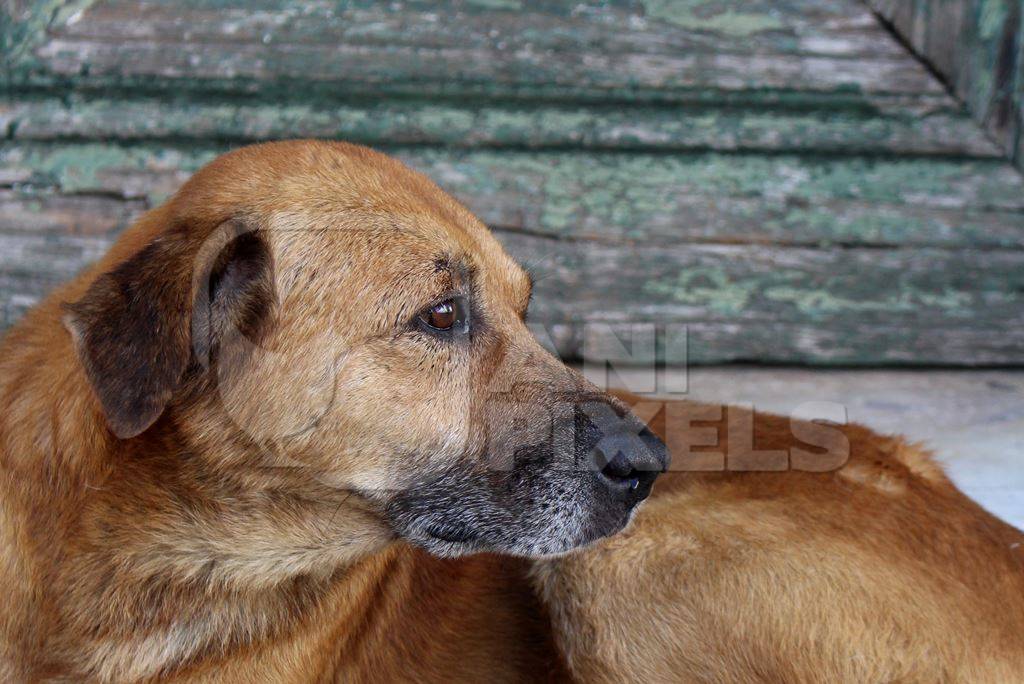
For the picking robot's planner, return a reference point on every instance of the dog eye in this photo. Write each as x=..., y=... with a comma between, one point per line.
x=445, y=316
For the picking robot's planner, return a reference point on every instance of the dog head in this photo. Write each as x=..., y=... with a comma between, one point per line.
x=321, y=307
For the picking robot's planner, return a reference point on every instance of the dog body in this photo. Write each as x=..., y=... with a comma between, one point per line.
x=877, y=571
x=294, y=428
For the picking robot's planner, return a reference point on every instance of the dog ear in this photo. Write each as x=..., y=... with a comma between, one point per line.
x=140, y=327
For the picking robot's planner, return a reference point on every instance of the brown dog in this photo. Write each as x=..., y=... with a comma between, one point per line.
x=293, y=428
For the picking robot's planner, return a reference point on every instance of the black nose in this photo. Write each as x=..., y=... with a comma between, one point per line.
x=626, y=455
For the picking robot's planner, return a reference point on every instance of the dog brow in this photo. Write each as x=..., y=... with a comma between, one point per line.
x=456, y=267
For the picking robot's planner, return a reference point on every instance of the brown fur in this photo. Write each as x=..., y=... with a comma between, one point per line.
x=207, y=521
x=878, y=571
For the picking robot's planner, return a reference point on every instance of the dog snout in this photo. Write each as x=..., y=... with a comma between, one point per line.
x=626, y=456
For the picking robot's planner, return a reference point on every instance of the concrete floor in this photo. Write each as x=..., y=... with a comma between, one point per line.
x=972, y=420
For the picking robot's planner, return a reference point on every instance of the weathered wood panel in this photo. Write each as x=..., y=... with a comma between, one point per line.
x=806, y=27
x=743, y=303
x=602, y=234
x=737, y=198
x=732, y=302
x=890, y=125
x=51, y=215
x=1018, y=99
x=475, y=71
x=451, y=47
x=656, y=198
x=778, y=177
x=978, y=45
x=796, y=75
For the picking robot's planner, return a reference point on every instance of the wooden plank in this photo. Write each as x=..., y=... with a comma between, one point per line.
x=800, y=344
x=53, y=259
x=978, y=46
x=988, y=75
x=586, y=50
x=768, y=284
x=776, y=176
x=891, y=126
x=653, y=198
x=46, y=238
x=1018, y=99
x=136, y=172
x=23, y=26
x=55, y=215
x=732, y=302
x=737, y=198
x=741, y=302
x=578, y=228
x=830, y=27
x=17, y=296
x=251, y=68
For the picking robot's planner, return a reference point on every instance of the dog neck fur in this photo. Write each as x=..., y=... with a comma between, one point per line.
x=153, y=572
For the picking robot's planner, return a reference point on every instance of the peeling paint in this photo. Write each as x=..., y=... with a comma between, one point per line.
x=707, y=287
x=498, y=4
x=789, y=186
x=992, y=15
x=21, y=33
x=700, y=15
x=826, y=302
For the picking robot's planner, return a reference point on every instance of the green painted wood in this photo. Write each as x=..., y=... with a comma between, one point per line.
x=1019, y=97
x=620, y=234
x=24, y=26
x=733, y=302
x=988, y=76
x=826, y=27
x=785, y=305
x=635, y=197
x=52, y=216
x=779, y=178
x=978, y=46
x=587, y=49
x=889, y=126
x=738, y=198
